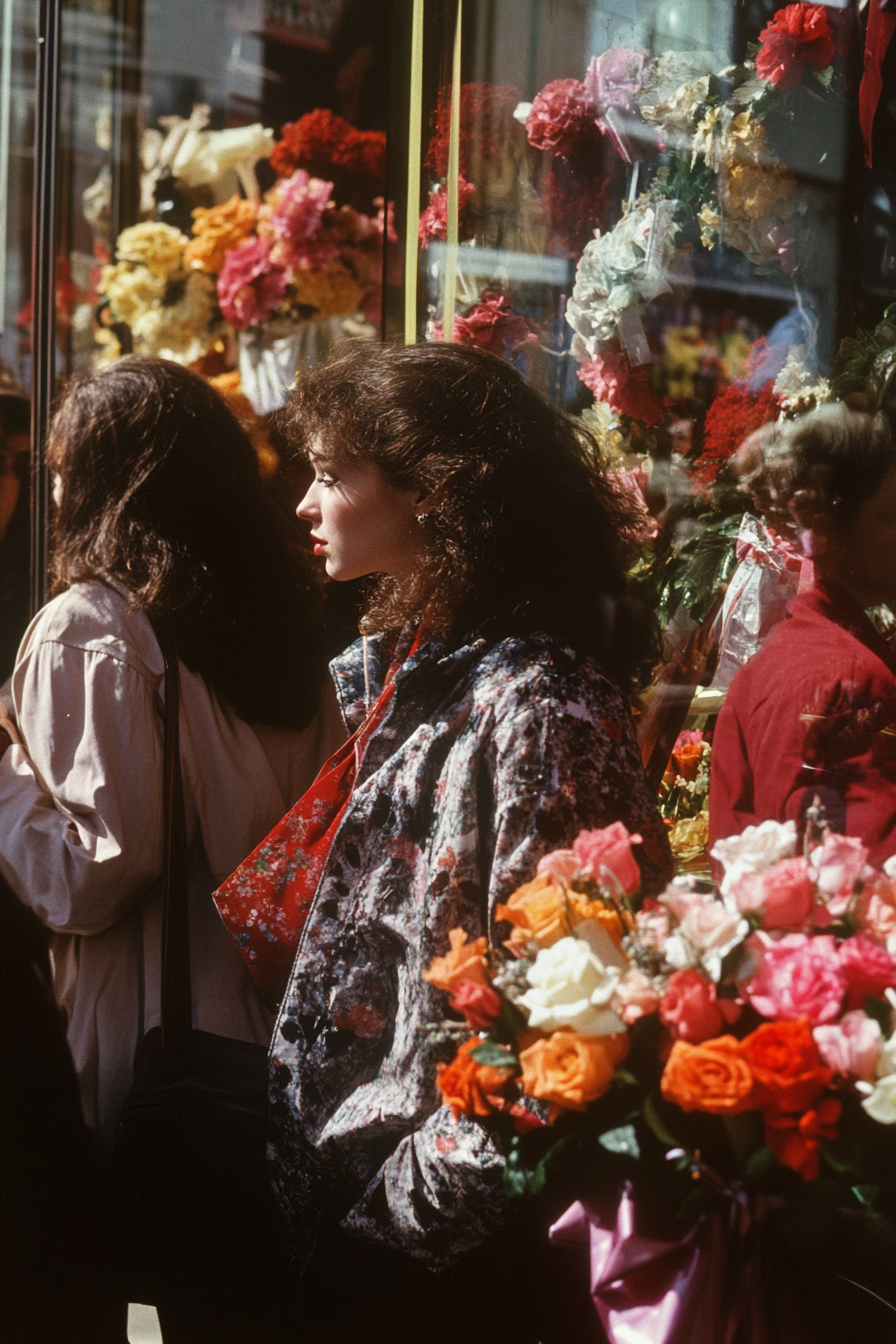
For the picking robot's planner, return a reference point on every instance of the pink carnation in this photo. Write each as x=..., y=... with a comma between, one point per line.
x=492, y=325
x=434, y=220
x=561, y=866
x=295, y=206
x=608, y=853
x=867, y=969
x=851, y=1045
x=691, y=1010
x=614, y=78
x=562, y=119
x=635, y=997
x=688, y=737
x=797, y=977
x=784, y=893
x=626, y=390
x=479, y=1003
x=250, y=286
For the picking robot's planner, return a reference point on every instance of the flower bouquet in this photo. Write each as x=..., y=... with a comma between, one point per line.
x=700, y=1075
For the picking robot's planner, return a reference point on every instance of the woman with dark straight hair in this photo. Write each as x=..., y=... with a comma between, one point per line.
x=162, y=527
x=490, y=726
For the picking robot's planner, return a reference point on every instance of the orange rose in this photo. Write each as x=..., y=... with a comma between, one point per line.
x=545, y=911
x=796, y=1140
x=687, y=759
x=470, y=1088
x=570, y=1070
x=712, y=1077
x=786, y=1065
x=465, y=961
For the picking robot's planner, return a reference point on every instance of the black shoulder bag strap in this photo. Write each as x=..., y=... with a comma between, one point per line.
x=177, y=1013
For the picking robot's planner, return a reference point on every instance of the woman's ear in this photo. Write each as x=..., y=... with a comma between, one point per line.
x=428, y=501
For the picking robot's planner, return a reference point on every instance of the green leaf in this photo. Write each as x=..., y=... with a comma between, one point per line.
x=842, y=1166
x=760, y=1164
x=622, y=1140
x=657, y=1124
x=494, y=1056
x=867, y=1194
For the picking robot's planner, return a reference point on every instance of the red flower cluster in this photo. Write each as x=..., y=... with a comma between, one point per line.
x=323, y=139
x=798, y=35
x=434, y=220
x=731, y=417
x=627, y=390
x=562, y=120
x=486, y=119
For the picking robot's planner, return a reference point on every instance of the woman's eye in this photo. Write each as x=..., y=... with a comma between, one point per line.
x=327, y=481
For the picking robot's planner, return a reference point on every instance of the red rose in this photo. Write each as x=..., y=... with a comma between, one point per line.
x=796, y=1140
x=690, y=1010
x=786, y=1065
x=479, y=1003
x=798, y=35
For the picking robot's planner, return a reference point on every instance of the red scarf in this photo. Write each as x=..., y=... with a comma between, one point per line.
x=266, y=901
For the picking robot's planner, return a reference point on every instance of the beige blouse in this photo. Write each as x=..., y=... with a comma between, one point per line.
x=81, y=826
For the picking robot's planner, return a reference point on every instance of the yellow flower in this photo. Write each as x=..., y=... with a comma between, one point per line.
x=131, y=289
x=689, y=837
x=217, y=230
x=333, y=292
x=159, y=247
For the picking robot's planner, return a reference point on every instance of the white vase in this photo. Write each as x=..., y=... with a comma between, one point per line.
x=271, y=355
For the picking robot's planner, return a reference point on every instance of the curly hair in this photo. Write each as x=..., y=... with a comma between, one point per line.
x=160, y=489
x=821, y=468
x=526, y=531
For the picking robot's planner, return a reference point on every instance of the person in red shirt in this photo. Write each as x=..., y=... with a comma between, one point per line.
x=813, y=714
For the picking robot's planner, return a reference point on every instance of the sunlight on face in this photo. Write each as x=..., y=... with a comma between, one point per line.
x=360, y=523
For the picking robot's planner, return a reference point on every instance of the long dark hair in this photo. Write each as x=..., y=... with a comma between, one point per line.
x=161, y=490
x=527, y=532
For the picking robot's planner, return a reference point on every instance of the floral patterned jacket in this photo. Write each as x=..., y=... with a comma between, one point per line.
x=489, y=756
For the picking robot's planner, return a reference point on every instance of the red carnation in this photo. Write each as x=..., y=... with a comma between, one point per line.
x=493, y=325
x=562, y=119
x=323, y=140
x=798, y=35
x=730, y=419
x=486, y=125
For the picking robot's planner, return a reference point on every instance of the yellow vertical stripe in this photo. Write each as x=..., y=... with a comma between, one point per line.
x=450, y=290
x=415, y=149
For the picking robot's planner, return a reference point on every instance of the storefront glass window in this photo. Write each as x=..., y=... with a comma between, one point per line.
x=669, y=217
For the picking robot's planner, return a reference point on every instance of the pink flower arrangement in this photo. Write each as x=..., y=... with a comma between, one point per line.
x=608, y=852
x=852, y=1045
x=434, y=220
x=562, y=119
x=626, y=390
x=250, y=285
x=798, y=36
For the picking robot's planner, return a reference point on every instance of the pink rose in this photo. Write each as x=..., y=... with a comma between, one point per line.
x=709, y=924
x=798, y=977
x=839, y=862
x=877, y=913
x=691, y=1011
x=851, y=1045
x=867, y=969
x=635, y=996
x=784, y=893
x=607, y=853
x=479, y=1003
x=561, y=866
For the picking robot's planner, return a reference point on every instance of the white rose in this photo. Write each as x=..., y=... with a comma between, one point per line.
x=881, y=1105
x=754, y=850
x=890, y=867
x=571, y=987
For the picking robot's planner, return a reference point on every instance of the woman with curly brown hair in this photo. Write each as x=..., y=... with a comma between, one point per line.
x=162, y=529
x=490, y=725
x=812, y=716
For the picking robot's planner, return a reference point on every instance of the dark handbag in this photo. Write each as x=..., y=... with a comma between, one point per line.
x=189, y=1157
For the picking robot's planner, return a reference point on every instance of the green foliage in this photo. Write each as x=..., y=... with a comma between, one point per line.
x=622, y=1140
x=494, y=1056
